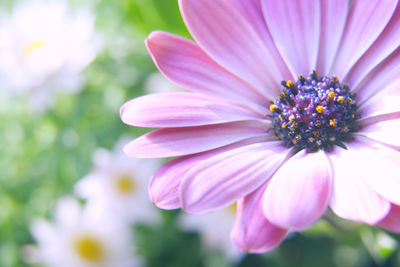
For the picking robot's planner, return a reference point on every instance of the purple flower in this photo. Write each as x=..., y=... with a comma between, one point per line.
x=293, y=107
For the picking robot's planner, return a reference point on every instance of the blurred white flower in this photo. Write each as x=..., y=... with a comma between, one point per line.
x=119, y=185
x=157, y=83
x=44, y=48
x=82, y=238
x=215, y=229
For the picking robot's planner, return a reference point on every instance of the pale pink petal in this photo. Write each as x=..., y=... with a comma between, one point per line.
x=386, y=131
x=333, y=19
x=366, y=21
x=184, y=63
x=251, y=10
x=392, y=221
x=171, y=142
x=384, y=102
x=299, y=191
x=381, y=168
x=252, y=232
x=180, y=109
x=352, y=198
x=387, y=42
x=225, y=35
x=295, y=28
x=223, y=179
x=379, y=78
x=164, y=186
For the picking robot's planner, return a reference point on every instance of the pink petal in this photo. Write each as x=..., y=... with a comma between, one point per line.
x=384, y=131
x=251, y=10
x=381, y=168
x=179, y=110
x=366, y=21
x=299, y=191
x=223, y=179
x=392, y=221
x=384, y=102
x=333, y=18
x=184, y=63
x=295, y=28
x=387, y=42
x=171, y=142
x=252, y=232
x=352, y=198
x=379, y=78
x=230, y=40
x=164, y=186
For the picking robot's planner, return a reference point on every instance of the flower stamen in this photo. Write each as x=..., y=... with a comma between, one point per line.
x=315, y=112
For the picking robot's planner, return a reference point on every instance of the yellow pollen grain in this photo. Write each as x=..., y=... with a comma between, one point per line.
x=273, y=108
x=331, y=95
x=320, y=109
x=340, y=99
x=32, y=47
x=289, y=83
x=296, y=139
x=89, y=249
x=333, y=123
x=349, y=101
x=125, y=185
x=284, y=125
x=292, y=118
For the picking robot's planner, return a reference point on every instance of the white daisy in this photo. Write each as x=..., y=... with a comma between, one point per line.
x=215, y=229
x=44, y=48
x=119, y=185
x=157, y=83
x=81, y=238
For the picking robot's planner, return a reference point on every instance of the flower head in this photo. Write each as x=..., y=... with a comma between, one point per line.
x=292, y=108
x=81, y=238
x=44, y=48
x=118, y=185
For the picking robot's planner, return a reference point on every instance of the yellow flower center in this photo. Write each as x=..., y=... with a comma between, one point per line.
x=89, y=249
x=232, y=208
x=32, y=47
x=125, y=184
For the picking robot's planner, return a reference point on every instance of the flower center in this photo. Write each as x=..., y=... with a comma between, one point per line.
x=89, y=248
x=316, y=112
x=125, y=184
x=232, y=208
x=32, y=47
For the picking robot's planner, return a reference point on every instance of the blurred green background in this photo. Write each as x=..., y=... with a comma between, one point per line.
x=43, y=155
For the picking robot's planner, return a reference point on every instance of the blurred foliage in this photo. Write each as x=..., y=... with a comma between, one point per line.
x=43, y=155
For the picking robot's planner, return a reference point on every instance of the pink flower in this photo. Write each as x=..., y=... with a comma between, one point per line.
x=267, y=123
